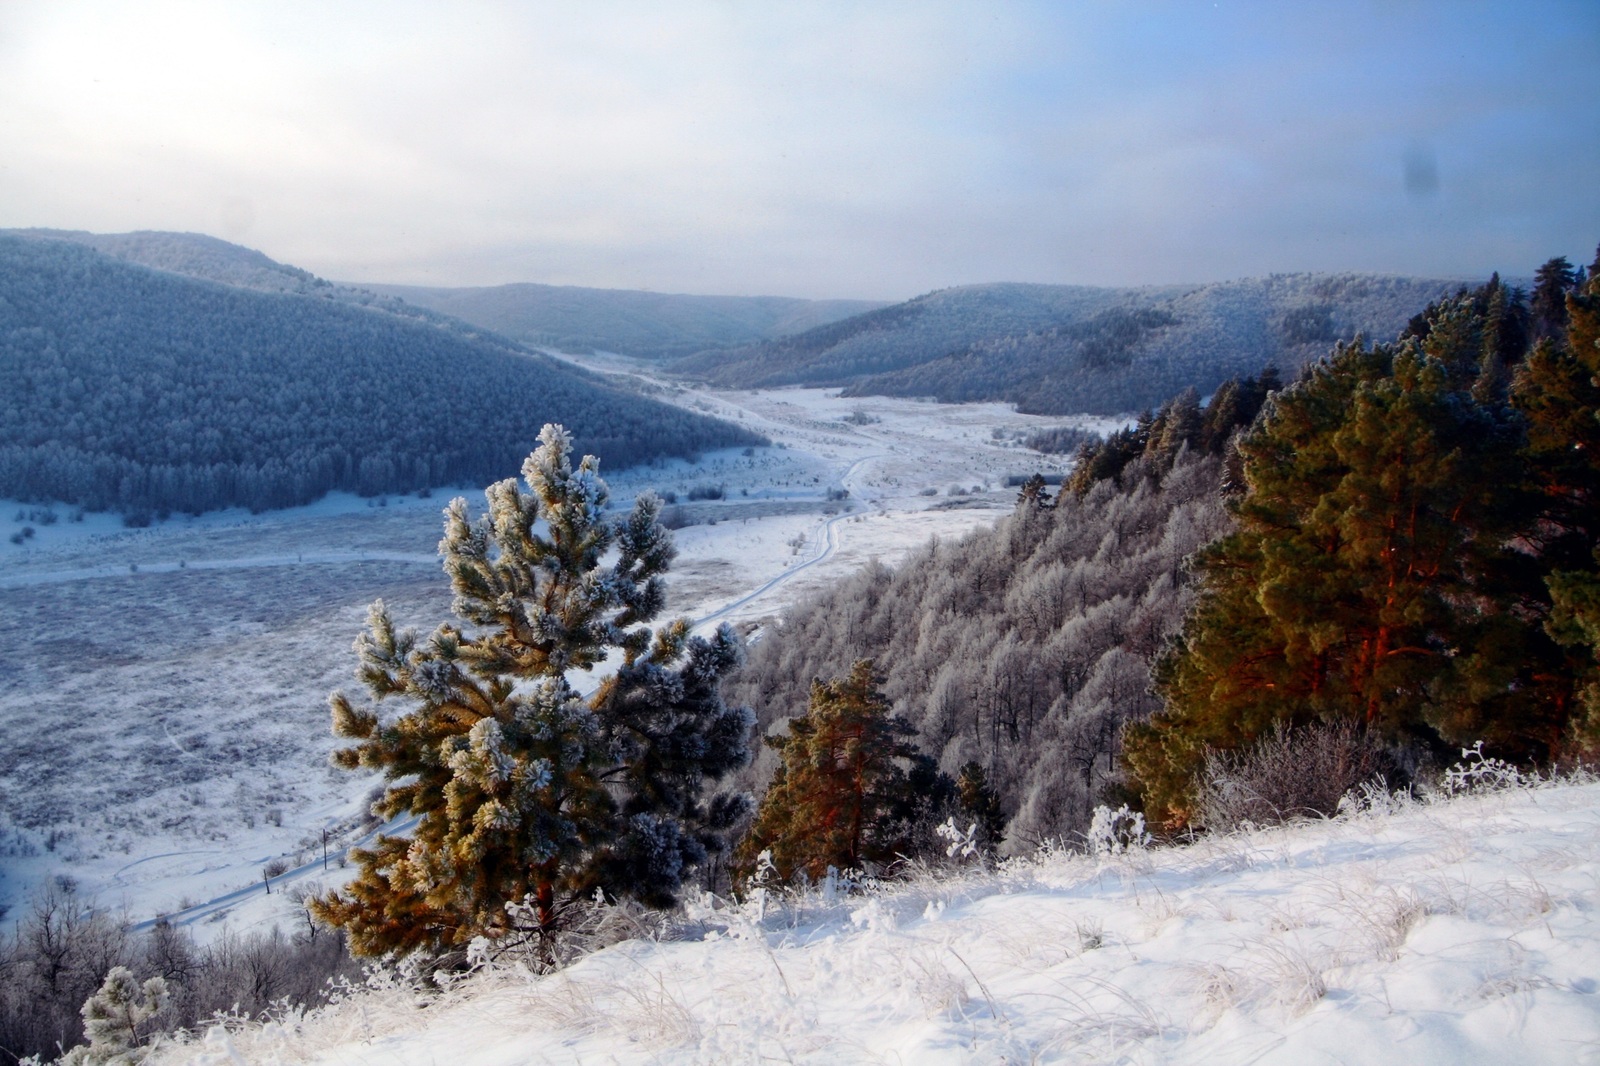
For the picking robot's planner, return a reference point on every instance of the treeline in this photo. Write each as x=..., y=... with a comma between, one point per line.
x=1063, y=350
x=1059, y=440
x=1080, y=366
x=646, y=324
x=1023, y=650
x=132, y=389
x=901, y=335
x=196, y=255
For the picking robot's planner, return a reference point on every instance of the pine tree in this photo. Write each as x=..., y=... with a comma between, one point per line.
x=1034, y=494
x=1558, y=391
x=1551, y=284
x=1223, y=415
x=1178, y=424
x=981, y=803
x=1354, y=588
x=114, y=1019
x=851, y=788
x=1575, y=622
x=524, y=792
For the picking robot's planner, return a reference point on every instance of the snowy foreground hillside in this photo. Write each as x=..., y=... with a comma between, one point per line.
x=1456, y=932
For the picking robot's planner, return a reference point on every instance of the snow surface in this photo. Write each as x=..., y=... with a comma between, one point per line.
x=164, y=689
x=1459, y=932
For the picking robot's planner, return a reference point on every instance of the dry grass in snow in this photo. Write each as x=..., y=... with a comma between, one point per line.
x=1457, y=932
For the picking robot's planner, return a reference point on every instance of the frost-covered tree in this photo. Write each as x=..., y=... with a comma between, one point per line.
x=114, y=1019
x=526, y=793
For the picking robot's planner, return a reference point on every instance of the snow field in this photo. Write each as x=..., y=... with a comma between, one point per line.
x=1456, y=932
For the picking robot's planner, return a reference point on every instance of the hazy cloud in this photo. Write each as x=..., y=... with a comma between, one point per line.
x=820, y=149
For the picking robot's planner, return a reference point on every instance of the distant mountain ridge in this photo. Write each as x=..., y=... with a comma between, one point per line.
x=1065, y=349
x=140, y=389
x=631, y=322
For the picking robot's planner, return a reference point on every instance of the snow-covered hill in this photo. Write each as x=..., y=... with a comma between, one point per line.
x=1462, y=931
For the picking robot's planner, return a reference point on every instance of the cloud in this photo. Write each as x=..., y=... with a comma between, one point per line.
x=819, y=149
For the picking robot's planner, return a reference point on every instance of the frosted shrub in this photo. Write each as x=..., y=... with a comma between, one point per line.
x=836, y=884
x=762, y=883
x=1477, y=772
x=590, y=924
x=1287, y=774
x=1373, y=797
x=963, y=842
x=1114, y=832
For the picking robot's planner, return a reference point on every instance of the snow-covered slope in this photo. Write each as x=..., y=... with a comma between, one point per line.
x=1456, y=932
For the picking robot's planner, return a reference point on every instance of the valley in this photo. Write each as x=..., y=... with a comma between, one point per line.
x=165, y=688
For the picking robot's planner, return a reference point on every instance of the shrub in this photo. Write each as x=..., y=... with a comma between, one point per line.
x=1287, y=774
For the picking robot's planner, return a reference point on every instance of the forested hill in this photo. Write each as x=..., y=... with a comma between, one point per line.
x=193, y=254
x=137, y=389
x=196, y=255
x=1062, y=349
x=647, y=324
x=1024, y=648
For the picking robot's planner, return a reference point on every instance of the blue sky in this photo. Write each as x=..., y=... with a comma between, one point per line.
x=849, y=149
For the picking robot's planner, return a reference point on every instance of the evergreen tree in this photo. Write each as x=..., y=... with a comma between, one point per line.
x=115, y=1017
x=1575, y=622
x=1355, y=587
x=981, y=803
x=1551, y=283
x=1558, y=391
x=526, y=793
x=851, y=788
x=1223, y=415
x=1034, y=493
x=1179, y=424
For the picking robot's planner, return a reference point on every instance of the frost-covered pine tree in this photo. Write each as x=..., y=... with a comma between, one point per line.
x=526, y=793
x=114, y=1018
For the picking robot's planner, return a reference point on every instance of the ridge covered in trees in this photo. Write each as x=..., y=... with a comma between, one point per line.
x=1017, y=653
x=1415, y=551
x=649, y=325
x=135, y=389
x=1053, y=349
x=195, y=255
x=1402, y=546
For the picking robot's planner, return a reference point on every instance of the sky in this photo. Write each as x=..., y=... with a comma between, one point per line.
x=866, y=150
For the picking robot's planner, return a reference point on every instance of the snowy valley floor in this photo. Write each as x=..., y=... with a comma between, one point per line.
x=1458, y=932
